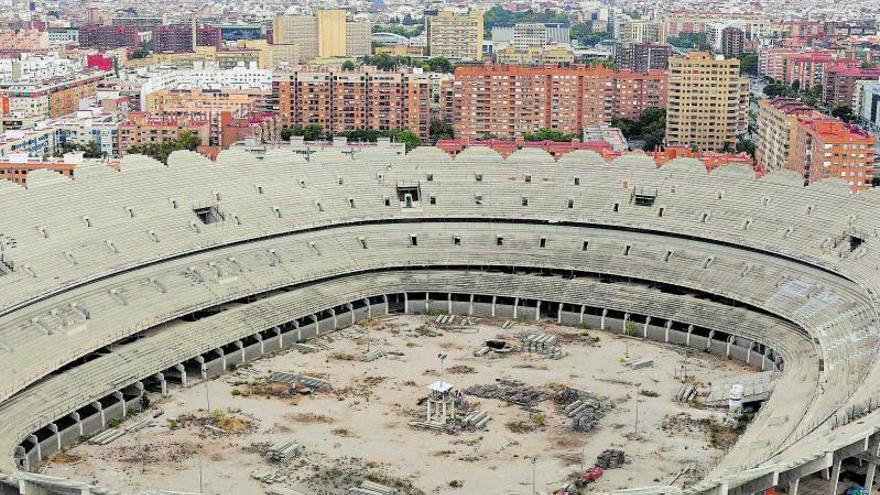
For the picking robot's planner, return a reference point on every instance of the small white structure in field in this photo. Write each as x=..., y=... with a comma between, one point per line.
x=441, y=403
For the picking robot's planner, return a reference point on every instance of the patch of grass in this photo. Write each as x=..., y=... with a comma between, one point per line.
x=461, y=369
x=649, y=393
x=342, y=356
x=456, y=484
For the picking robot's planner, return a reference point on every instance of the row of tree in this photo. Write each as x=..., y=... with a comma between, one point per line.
x=650, y=127
x=384, y=61
x=160, y=151
x=499, y=16
x=315, y=132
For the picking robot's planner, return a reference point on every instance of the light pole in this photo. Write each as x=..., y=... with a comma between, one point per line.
x=534, y=489
x=207, y=397
x=442, y=358
x=636, y=428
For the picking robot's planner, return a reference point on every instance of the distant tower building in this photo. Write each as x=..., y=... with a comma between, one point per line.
x=732, y=42
x=455, y=36
x=707, y=102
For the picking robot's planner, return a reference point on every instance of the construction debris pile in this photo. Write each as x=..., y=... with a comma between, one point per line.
x=687, y=393
x=542, y=343
x=301, y=381
x=283, y=451
x=611, y=459
x=371, y=488
x=511, y=391
x=584, y=408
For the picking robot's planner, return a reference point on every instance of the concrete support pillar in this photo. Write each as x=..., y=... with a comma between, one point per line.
x=494, y=300
x=559, y=315
x=729, y=344
x=240, y=346
x=121, y=398
x=874, y=450
x=666, y=333
x=537, y=310
x=687, y=341
x=387, y=306
x=36, y=442
x=602, y=320
x=163, y=385
x=764, y=361
x=835, y=477
x=350, y=307
x=709, y=342
x=581, y=316
x=78, y=421
x=793, y=486
x=515, y=307
x=97, y=405
x=449, y=303
x=405, y=303
x=645, y=329
x=471, y=306
x=262, y=345
x=182, y=369
x=333, y=314
x=369, y=308
x=21, y=456
x=54, y=429
x=280, y=336
x=222, y=358
x=625, y=321
x=749, y=352
x=723, y=488
x=427, y=302
x=203, y=369
x=299, y=334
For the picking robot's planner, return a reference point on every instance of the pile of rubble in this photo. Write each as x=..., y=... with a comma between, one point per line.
x=510, y=391
x=611, y=459
x=584, y=408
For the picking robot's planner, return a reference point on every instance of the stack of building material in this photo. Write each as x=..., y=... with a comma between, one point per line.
x=637, y=364
x=106, y=436
x=586, y=411
x=482, y=351
x=283, y=451
x=686, y=393
x=506, y=325
x=282, y=491
x=305, y=348
x=372, y=356
x=370, y=488
x=314, y=383
x=268, y=476
x=478, y=419
x=542, y=343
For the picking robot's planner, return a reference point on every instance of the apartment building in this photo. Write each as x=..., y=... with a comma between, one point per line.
x=139, y=129
x=26, y=40
x=826, y=147
x=733, y=42
x=559, y=55
x=642, y=31
x=16, y=168
x=226, y=58
x=809, y=69
x=178, y=38
x=327, y=33
x=771, y=62
x=777, y=124
x=708, y=101
x=866, y=103
x=529, y=34
x=105, y=38
x=347, y=101
x=454, y=35
x=642, y=57
x=50, y=99
x=507, y=101
x=840, y=81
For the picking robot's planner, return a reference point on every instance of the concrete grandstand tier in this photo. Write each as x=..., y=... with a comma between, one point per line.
x=291, y=245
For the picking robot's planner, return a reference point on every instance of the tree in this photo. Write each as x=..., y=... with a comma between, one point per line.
x=440, y=64
x=313, y=132
x=745, y=145
x=652, y=122
x=689, y=40
x=548, y=135
x=843, y=112
x=144, y=49
x=748, y=63
x=408, y=138
x=160, y=151
x=499, y=16
x=440, y=129
x=348, y=65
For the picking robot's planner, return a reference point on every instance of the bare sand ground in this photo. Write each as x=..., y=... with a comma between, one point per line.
x=362, y=425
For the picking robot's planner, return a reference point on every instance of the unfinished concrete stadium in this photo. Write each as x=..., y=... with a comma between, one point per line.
x=254, y=254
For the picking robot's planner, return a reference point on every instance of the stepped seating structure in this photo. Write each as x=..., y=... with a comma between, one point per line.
x=156, y=276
